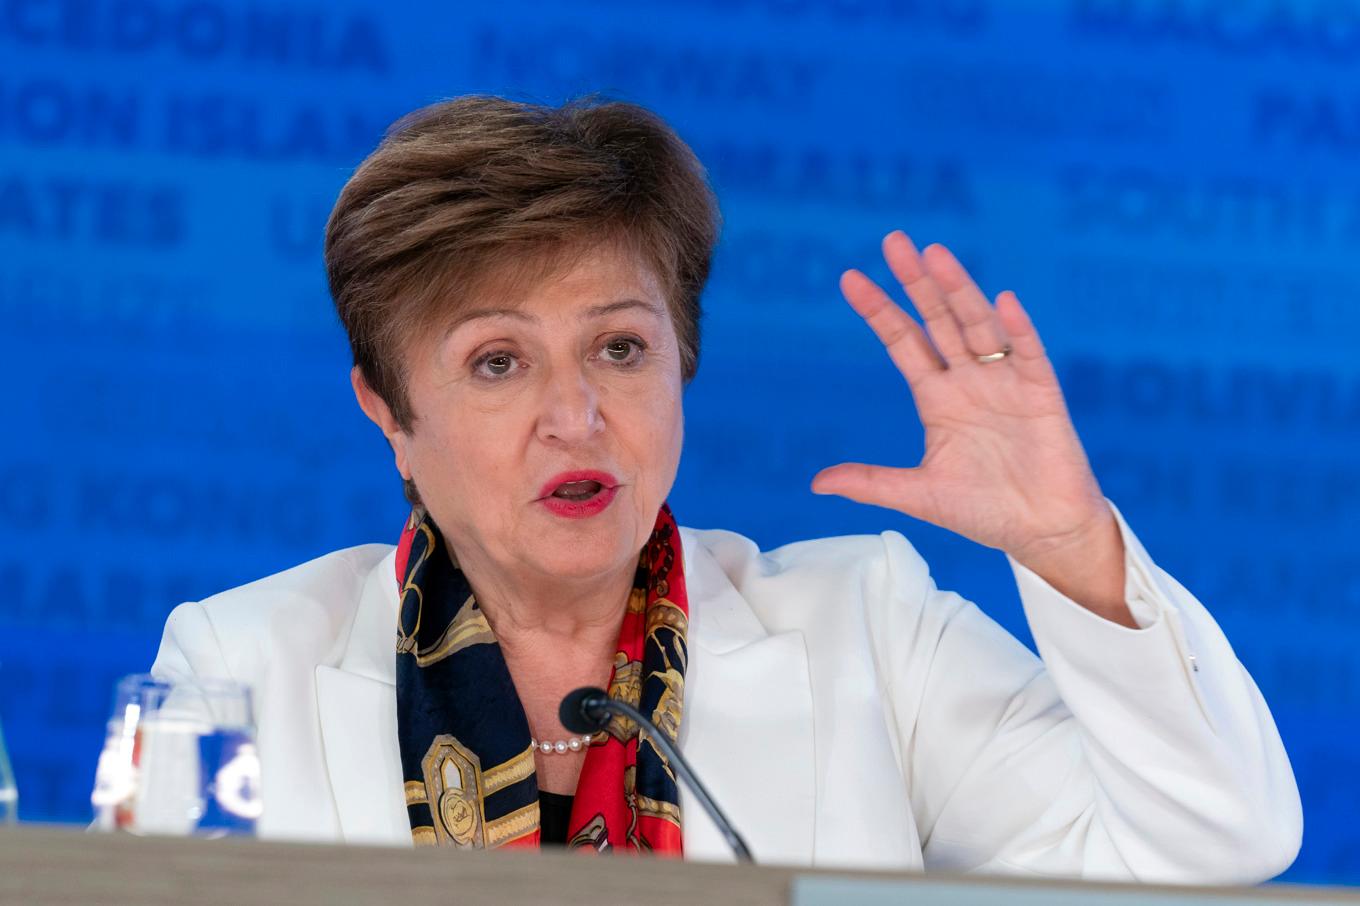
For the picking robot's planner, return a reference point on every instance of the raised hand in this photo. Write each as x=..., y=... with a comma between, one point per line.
x=1003, y=465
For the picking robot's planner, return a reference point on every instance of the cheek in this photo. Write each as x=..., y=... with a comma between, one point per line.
x=461, y=458
x=675, y=429
x=660, y=434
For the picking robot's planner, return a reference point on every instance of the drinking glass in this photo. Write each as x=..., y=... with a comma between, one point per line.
x=179, y=758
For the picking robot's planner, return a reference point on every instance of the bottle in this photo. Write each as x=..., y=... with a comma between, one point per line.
x=9, y=793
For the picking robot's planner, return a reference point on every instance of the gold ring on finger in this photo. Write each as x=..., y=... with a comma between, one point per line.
x=994, y=356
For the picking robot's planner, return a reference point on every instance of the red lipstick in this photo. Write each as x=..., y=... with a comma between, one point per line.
x=578, y=494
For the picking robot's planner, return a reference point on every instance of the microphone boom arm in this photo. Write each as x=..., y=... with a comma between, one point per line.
x=591, y=706
x=681, y=768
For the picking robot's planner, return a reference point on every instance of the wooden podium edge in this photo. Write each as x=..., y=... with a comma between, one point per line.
x=60, y=865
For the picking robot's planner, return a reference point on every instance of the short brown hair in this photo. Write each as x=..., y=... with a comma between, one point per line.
x=479, y=189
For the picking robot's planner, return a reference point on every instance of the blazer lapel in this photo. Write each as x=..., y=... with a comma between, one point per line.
x=357, y=704
x=748, y=723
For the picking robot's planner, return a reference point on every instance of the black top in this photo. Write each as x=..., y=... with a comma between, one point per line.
x=554, y=811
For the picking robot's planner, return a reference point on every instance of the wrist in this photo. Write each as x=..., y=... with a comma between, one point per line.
x=1084, y=564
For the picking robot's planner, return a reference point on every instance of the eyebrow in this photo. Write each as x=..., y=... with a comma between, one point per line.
x=609, y=308
x=595, y=311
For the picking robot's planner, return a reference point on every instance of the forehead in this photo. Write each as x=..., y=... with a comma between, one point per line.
x=586, y=282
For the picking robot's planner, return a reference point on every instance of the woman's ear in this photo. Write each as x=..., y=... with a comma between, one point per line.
x=380, y=414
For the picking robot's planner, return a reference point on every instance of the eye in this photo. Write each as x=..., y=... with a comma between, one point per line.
x=623, y=350
x=494, y=365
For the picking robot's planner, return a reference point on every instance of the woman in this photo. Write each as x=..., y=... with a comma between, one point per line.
x=521, y=289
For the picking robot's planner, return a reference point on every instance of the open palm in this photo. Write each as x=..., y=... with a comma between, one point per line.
x=1003, y=465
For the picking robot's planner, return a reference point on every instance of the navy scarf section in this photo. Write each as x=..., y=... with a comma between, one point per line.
x=459, y=720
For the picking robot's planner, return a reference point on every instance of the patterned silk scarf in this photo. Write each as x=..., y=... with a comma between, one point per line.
x=465, y=752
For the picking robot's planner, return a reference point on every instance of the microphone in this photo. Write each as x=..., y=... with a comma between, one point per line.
x=587, y=710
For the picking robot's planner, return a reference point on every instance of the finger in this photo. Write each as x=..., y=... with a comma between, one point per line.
x=927, y=297
x=904, y=490
x=982, y=331
x=904, y=339
x=1027, y=350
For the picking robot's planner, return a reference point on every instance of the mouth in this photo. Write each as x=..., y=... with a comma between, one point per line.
x=577, y=490
x=578, y=486
x=578, y=494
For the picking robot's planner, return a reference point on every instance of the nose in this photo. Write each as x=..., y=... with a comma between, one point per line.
x=570, y=411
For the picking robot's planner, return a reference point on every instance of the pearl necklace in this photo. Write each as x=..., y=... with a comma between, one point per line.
x=563, y=746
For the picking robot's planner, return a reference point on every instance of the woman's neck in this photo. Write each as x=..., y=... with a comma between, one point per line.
x=555, y=635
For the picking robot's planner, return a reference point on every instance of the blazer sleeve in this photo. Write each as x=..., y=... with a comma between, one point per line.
x=189, y=646
x=1126, y=754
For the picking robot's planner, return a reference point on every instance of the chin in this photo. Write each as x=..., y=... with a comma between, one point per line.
x=583, y=556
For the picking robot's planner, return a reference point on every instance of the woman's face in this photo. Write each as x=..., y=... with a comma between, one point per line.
x=548, y=428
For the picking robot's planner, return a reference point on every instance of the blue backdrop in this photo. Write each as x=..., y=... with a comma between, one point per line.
x=1169, y=184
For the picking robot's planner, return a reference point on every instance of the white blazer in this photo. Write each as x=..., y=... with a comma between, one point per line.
x=842, y=710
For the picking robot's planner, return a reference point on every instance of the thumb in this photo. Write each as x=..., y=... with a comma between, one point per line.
x=904, y=490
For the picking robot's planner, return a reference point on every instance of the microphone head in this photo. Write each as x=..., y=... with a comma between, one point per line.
x=584, y=710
